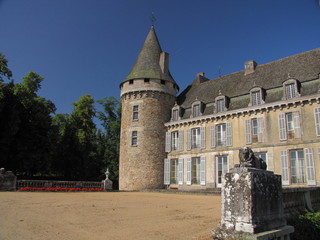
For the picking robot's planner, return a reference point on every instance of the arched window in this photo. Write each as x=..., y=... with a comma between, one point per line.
x=221, y=104
x=256, y=96
x=291, y=89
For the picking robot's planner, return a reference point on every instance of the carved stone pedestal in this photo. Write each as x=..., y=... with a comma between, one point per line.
x=251, y=205
x=107, y=184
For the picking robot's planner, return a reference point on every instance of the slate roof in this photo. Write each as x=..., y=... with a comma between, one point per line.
x=147, y=63
x=270, y=76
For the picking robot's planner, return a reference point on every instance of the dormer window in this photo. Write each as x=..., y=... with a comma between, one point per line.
x=220, y=104
x=256, y=96
x=196, y=110
x=175, y=113
x=291, y=89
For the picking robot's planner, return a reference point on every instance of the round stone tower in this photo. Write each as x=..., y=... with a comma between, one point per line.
x=148, y=93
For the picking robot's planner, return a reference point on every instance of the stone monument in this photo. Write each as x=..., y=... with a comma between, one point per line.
x=8, y=181
x=107, y=183
x=251, y=202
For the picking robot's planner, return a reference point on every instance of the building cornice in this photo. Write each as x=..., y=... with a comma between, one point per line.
x=247, y=111
x=144, y=93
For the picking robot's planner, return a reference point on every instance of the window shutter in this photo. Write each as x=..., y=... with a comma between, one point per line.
x=260, y=129
x=202, y=170
x=180, y=171
x=212, y=136
x=297, y=126
x=228, y=134
x=203, y=137
x=284, y=167
x=168, y=141
x=282, y=127
x=181, y=137
x=189, y=139
x=317, y=120
x=248, y=131
x=166, y=171
x=188, y=171
x=311, y=176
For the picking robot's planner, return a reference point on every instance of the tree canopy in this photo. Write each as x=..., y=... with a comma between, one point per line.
x=37, y=143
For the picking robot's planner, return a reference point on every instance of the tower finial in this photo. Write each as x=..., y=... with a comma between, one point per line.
x=152, y=19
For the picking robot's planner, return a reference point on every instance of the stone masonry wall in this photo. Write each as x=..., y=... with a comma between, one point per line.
x=141, y=166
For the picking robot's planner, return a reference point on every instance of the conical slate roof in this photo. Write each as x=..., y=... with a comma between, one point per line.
x=147, y=64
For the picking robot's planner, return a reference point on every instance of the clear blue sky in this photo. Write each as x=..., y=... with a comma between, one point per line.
x=89, y=46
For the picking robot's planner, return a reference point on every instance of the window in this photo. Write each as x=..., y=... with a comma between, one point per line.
x=196, y=170
x=135, y=112
x=254, y=130
x=289, y=125
x=195, y=138
x=256, y=97
x=130, y=82
x=175, y=115
x=290, y=90
x=147, y=80
x=174, y=140
x=163, y=82
x=196, y=110
x=317, y=120
x=220, y=105
x=173, y=171
x=222, y=166
x=134, y=138
x=298, y=166
x=221, y=134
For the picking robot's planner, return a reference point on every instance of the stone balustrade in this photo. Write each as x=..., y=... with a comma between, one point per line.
x=49, y=183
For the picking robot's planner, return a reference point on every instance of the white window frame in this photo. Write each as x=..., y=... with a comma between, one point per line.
x=256, y=97
x=196, y=109
x=290, y=89
x=225, y=168
x=135, y=112
x=249, y=130
x=317, y=120
x=289, y=128
x=220, y=104
x=175, y=141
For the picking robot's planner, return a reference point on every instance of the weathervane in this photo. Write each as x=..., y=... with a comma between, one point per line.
x=152, y=19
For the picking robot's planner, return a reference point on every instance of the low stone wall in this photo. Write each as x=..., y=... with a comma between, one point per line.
x=69, y=184
x=297, y=200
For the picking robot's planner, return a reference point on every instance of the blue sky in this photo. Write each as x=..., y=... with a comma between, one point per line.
x=89, y=46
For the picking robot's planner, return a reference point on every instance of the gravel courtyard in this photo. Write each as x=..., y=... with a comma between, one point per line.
x=107, y=216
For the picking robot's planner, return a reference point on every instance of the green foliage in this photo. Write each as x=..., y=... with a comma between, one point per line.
x=109, y=139
x=4, y=70
x=35, y=143
x=306, y=226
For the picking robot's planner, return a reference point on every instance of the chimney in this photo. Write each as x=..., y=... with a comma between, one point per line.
x=249, y=67
x=201, y=77
x=164, y=62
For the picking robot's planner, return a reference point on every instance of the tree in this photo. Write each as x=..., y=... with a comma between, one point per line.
x=109, y=139
x=4, y=70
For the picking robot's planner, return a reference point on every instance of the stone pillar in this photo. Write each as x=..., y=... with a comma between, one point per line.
x=8, y=181
x=251, y=205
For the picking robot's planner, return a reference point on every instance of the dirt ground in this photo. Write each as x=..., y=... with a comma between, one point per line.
x=107, y=216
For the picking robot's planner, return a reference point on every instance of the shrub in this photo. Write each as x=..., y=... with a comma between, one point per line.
x=306, y=226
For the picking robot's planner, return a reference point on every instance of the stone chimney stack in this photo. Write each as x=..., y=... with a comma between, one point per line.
x=249, y=67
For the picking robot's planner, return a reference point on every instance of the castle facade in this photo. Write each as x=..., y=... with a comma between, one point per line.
x=189, y=141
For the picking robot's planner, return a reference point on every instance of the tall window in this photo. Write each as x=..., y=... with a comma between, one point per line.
x=175, y=115
x=174, y=171
x=290, y=90
x=196, y=110
x=298, y=166
x=222, y=167
x=134, y=138
x=174, y=140
x=289, y=125
x=317, y=120
x=254, y=130
x=256, y=97
x=221, y=134
x=195, y=138
x=195, y=172
x=220, y=104
x=135, y=112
